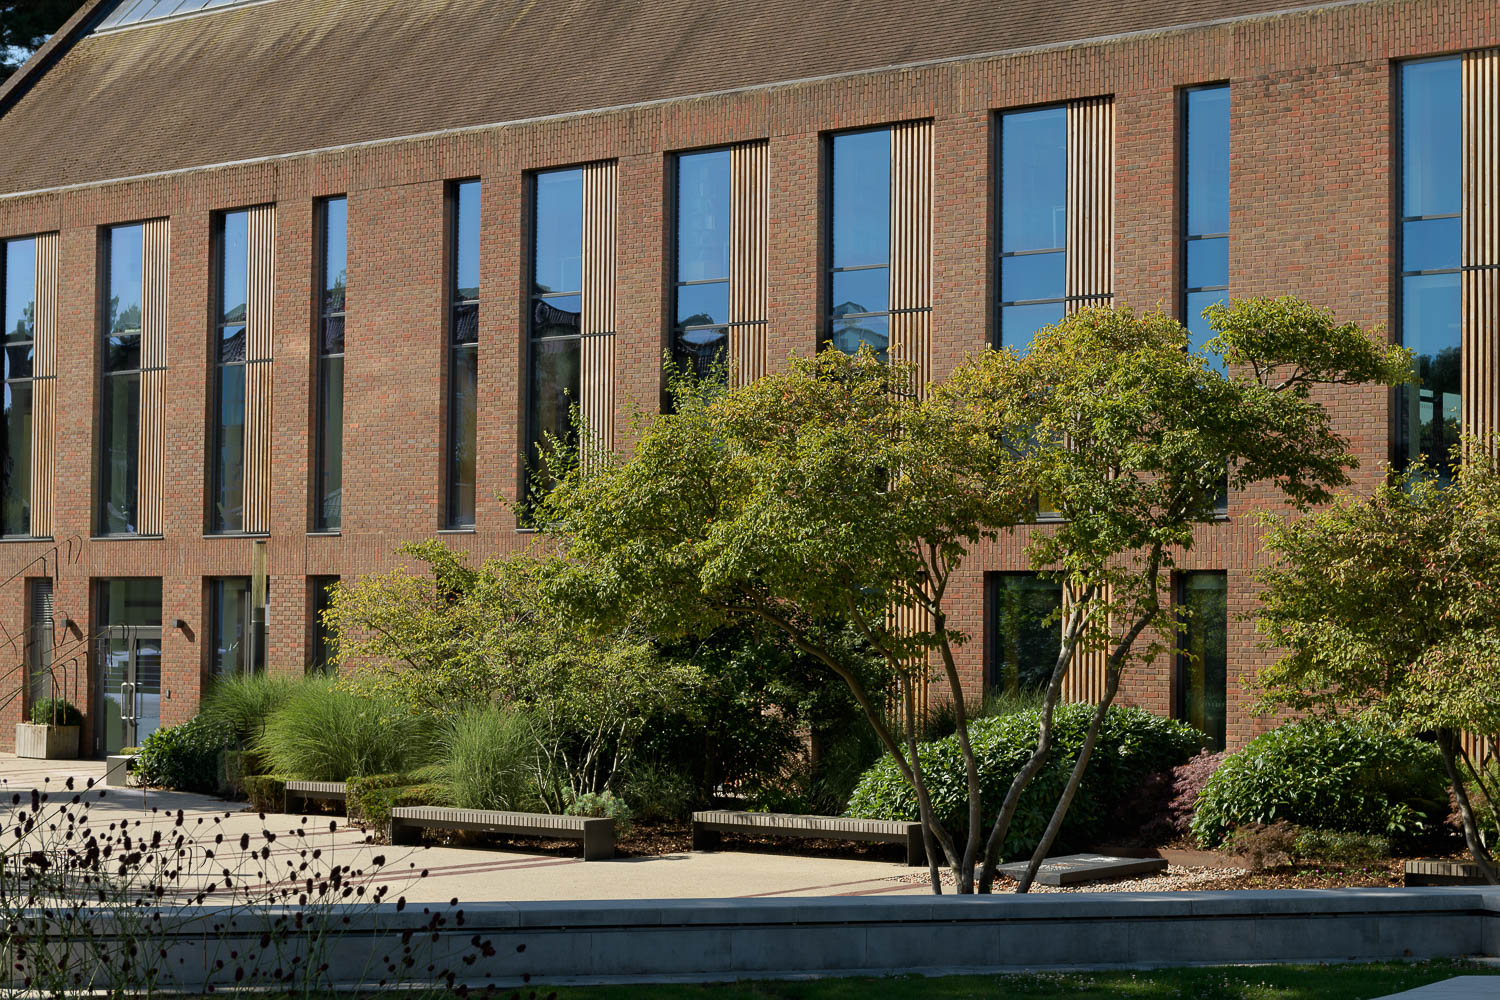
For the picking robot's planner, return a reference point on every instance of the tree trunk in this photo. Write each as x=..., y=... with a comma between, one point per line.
x=1447, y=740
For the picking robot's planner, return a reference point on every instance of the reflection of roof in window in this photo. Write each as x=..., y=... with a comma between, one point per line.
x=136, y=11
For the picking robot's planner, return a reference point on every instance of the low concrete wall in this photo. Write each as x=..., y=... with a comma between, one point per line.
x=551, y=943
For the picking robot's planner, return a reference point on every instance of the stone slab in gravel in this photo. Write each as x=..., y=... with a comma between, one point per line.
x=1072, y=869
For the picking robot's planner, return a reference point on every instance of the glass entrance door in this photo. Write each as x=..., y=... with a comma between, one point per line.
x=130, y=684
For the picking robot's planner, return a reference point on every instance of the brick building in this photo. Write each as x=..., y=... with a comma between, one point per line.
x=300, y=280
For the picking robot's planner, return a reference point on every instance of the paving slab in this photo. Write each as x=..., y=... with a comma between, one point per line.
x=1073, y=869
x=1457, y=988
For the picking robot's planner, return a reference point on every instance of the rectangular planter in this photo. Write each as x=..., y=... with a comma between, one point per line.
x=46, y=742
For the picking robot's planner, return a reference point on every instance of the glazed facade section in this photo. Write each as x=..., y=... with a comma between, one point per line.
x=290, y=354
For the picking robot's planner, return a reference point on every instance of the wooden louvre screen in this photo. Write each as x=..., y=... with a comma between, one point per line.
x=908, y=621
x=911, y=249
x=1480, y=346
x=597, y=374
x=155, y=277
x=44, y=386
x=1085, y=679
x=260, y=287
x=749, y=174
x=1089, y=278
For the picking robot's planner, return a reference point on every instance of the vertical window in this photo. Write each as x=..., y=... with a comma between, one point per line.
x=324, y=652
x=700, y=339
x=1025, y=631
x=556, y=314
x=463, y=362
x=1431, y=299
x=233, y=650
x=1203, y=658
x=120, y=396
x=227, y=500
x=860, y=241
x=1205, y=184
x=333, y=230
x=1033, y=222
x=18, y=311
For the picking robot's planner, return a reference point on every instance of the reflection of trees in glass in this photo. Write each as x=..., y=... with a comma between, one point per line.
x=1027, y=631
x=1438, y=402
x=1204, y=659
x=128, y=321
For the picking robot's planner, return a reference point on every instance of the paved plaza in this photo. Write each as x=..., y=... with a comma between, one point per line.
x=469, y=874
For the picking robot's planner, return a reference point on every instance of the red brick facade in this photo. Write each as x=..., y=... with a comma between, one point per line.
x=1312, y=215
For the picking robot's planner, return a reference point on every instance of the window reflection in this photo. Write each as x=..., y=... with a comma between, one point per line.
x=333, y=299
x=860, y=232
x=700, y=340
x=18, y=315
x=1033, y=222
x=1025, y=631
x=1206, y=221
x=463, y=361
x=1203, y=660
x=556, y=318
x=227, y=504
x=120, y=391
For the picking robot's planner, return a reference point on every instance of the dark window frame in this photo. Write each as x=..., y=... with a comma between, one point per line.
x=104, y=333
x=1182, y=661
x=29, y=380
x=676, y=330
x=322, y=523
x=993, y=658
x=453, y=518
x=321, y=642
x=1000, y=254
x=829, y=269
x=1184, y=237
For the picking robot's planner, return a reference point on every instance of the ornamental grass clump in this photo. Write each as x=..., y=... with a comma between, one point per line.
x=487, y=759
x=324, y=732
x=245, y=702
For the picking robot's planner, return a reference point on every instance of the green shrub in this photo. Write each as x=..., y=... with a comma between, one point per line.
x=1132, y=744
x=371, y=798
x=659, y=793
x=486, y=760
x=245, y=701
x=186, y=757
x=325, y=733
x=55, y=712
x=266, y=792
x=1341, y=848
x=605, y=806
x=1335, y=775
x=1264, y=845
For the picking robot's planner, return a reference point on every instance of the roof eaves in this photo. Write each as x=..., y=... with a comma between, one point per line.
x=53, y=49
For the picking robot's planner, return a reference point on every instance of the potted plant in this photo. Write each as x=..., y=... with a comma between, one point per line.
x=52, y=733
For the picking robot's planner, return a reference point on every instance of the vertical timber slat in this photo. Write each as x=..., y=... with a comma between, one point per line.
x=1480, y=344
x=260, y=287
x=1090, y=203
x=597, y=377
x=44, y=386
x=911, y=249
x=748, y=179
x=155, y=278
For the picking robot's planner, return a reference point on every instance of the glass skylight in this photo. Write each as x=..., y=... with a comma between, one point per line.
x=137, y=11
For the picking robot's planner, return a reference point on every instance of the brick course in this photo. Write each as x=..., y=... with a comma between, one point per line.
x=1311, y=197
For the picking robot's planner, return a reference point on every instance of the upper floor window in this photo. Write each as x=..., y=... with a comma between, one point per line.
x=1431, y=293
x=556, y=314
x=1033, y=222
x=18, y=312
x=333, y=253
x=227, y=503
x=700, y=340
x=859, y=252
x=120, y=395
x=1205, y=184
x=463, y=361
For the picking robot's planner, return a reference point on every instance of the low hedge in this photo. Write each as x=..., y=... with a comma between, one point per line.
x=188, y=757
x=1341, y=775
x=371, y=798
x=1132, y=744
x=266, y=792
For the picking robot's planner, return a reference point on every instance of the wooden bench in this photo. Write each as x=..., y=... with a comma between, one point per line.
x=302, y=792
x=709, y=826
x=597, y=835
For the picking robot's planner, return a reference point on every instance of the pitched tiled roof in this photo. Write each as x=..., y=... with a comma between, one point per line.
x=291, y=75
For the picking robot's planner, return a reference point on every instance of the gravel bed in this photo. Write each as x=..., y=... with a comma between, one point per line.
x=1175, y=879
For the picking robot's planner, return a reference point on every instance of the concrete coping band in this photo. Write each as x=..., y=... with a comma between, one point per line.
x=726, y=939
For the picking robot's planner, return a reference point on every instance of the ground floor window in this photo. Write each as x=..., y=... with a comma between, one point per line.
x=323, y=656
x=1203, y=658
x=1025, y=631
x=237, y=645
x=127, y=661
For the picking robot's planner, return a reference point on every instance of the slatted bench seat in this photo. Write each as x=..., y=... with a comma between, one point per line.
x=597, y=835
x=303, y=792
x=710, y=825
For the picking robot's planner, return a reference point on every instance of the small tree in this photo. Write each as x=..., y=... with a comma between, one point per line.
x=1391, y=604
x=830, y=499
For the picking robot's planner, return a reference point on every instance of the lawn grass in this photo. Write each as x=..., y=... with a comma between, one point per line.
x=1265, y=982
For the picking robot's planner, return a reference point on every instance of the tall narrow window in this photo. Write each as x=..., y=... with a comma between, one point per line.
x=1025, y=631
x=860, y=241
x=1205, y=181
x=463, y=362
x=323, y=656
x=120, y=397
x=333, y=228
x=1431, y=236
x=1033, y=222
x=234, y=649
x=227, y=506
x=700, y=340
x=18, y=310
x=1203, y=658
x=556, y=314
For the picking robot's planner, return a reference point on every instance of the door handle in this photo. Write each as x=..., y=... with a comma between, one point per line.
x=127, y=701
